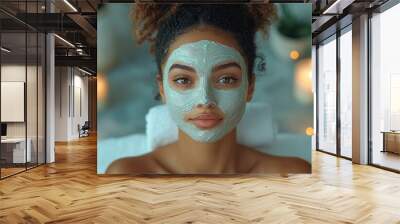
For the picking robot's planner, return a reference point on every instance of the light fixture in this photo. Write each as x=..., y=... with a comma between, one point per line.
x=84, y=71
x=80, y=51
x=5, y=50
x=70, y=5
x=65, y=41
x=328, y=10
x=337, y=7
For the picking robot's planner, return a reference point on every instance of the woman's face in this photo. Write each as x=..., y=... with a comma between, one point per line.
x=205, y=83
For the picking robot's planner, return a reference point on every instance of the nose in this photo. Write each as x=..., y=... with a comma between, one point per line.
x=209, y=104
x=206, y=98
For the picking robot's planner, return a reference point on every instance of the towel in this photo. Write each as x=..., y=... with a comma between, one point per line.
x=255, y=129
x=112, y=149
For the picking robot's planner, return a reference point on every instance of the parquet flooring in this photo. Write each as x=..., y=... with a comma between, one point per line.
x=387, y=159
x=69, y=191
x=9, y=171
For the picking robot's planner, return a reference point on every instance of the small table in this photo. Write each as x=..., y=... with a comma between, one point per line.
x=391, y=141
x=18, y=151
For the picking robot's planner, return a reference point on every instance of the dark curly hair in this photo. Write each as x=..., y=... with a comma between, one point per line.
x=160, y=24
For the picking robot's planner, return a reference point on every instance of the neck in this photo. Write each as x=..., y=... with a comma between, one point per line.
x=199, y=157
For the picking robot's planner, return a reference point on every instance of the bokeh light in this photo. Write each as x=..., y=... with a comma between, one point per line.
x=309, y=131
x=294, y=55
x=303, y=81
x=102, y=87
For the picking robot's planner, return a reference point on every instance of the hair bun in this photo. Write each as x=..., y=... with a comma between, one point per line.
x=148, y=16
x=264, y=14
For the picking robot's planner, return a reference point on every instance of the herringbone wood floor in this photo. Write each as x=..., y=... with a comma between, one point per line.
x=69, y=191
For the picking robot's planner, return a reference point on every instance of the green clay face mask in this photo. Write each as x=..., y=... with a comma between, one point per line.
x=203, y=56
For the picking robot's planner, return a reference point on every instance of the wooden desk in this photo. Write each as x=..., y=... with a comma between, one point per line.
x=17, y=152
x=391, y=141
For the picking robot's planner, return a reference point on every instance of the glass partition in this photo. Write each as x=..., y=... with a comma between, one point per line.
x=22, y=77
x=31, y=100
x=14, y=153
x=41, y=91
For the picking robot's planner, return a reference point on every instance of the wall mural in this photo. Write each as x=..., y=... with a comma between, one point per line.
x=204, y=89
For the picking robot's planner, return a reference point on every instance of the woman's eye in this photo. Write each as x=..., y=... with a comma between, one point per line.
x=227, y=80
x=182, y=81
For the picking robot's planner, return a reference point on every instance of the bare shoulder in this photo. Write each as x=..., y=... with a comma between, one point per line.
x=145, y=164
x=132, y=165
x=266, y=163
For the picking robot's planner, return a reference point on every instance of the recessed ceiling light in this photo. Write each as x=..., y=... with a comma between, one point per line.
x=84, y=71
x=5, y=50
x=65, y=41
x=70, y=5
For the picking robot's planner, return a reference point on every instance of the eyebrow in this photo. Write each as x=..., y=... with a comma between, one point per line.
x=184, y=67
x=219, y=67
x=223, y=66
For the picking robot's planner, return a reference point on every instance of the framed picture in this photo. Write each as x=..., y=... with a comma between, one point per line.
x=204, y=88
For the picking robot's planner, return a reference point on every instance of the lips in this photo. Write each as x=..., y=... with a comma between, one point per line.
x=206, y=121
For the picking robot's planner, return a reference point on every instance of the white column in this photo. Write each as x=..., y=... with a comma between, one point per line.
x=50, y=100
x=360, y=90
x=50, y=93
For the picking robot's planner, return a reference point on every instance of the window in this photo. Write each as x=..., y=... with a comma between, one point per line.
x=385, y=89
x=346, y=92
x=327, y=95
